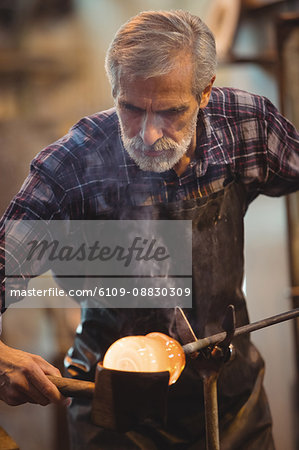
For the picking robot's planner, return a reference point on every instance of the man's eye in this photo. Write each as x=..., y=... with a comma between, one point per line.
x=174, y=112
x=132, y=108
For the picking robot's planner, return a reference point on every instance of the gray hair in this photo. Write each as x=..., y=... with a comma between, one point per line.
x=148, y=44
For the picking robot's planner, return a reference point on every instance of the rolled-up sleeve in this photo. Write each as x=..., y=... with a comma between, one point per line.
x=283, y=154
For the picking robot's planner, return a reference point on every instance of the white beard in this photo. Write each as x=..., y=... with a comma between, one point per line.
x=172, y=151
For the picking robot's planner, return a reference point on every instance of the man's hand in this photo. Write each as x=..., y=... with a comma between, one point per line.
x=23, y=378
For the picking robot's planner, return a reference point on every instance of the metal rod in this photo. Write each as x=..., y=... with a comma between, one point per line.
x=211, y=411
x=217, y=338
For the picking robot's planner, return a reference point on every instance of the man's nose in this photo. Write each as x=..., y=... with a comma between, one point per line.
x=151, y=130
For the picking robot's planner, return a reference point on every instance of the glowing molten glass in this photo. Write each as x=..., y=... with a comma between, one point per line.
x=155, y=352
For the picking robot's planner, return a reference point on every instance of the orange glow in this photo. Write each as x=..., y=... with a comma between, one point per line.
x=155, y=352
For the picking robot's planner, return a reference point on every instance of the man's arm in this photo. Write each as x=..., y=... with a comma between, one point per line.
x=283, y=154
x=23, y=376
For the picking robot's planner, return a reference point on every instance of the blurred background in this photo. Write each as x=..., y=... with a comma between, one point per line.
x=52, y=73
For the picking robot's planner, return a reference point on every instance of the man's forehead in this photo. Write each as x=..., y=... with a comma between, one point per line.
x=172, y=86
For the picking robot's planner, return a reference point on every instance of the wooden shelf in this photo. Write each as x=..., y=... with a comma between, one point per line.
x=15, y=61
x=258, y=5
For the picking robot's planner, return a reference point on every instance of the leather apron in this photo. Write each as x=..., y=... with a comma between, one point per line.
x=217, y=275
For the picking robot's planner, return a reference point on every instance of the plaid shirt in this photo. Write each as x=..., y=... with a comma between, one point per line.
x=87, y=174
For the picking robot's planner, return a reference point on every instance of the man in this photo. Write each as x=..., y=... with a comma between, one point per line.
x=173, y=148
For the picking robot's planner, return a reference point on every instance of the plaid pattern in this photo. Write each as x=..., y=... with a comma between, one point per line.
x=87, y=174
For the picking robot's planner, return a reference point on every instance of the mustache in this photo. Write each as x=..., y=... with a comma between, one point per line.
x=162, y=144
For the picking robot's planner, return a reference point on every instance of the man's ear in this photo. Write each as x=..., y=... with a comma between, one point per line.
x=205, y=96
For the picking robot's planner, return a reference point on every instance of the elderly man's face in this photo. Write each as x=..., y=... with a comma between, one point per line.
x=158, y=117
